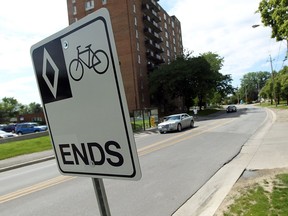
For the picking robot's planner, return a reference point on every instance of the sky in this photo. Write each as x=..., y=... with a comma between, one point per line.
x=223, y=27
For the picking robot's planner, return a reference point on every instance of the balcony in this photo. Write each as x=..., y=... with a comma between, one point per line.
x=152, y=35
x=151, y=12
x=153, y=46
x=152, y=4
x=154, y=58
x=150, y=66
x=149, y=22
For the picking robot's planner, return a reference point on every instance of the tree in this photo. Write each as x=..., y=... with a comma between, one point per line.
x=274, y=13
x=171, y=81
x=35, y=108
x=9, y=108
x=284, y=83
x=267, y=91
x=251, y=84
x=189, y=77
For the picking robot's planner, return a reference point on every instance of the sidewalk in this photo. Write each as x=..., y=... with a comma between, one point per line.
x=267, y=149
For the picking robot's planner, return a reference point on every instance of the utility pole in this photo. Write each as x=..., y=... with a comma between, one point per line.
x=273, y=81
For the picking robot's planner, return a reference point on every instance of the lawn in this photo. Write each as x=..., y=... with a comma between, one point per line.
x=281, y=105
x=264, y=198
x=12, y=149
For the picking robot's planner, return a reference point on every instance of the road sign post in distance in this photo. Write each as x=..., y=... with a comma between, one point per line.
x=80, y=83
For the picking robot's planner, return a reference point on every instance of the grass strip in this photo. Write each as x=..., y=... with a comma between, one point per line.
x=12, y=149
x=257, y=200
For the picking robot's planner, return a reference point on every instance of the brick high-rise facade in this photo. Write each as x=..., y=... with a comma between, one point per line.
x=145, y=35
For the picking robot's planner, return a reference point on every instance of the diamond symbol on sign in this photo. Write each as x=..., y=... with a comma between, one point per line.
x=52, y=86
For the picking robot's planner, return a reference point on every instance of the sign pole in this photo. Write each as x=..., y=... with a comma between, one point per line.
x=101, y=196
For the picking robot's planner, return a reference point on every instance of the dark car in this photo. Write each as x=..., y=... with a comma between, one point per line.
x=231, y=108
x=9, y=128
x=29, y=127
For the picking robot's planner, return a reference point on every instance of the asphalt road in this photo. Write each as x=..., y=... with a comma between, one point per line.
x=174, y=166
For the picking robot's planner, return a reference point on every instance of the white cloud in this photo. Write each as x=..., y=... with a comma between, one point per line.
x=225, y=27
x=22, y=24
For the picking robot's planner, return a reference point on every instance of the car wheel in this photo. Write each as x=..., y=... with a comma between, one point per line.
x=161, y=132
x=191, y=124
x=179, y=127
x=20, y=133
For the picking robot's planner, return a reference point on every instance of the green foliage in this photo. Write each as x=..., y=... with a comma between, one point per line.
x=274, y=13
x=189, y=77
x=276, y=87
x=10, y=107
x=251, y=85
x=252, y=202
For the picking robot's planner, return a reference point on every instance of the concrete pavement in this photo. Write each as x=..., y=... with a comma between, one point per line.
x=266, y=149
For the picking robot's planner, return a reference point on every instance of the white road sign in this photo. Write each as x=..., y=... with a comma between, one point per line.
x=79, y=80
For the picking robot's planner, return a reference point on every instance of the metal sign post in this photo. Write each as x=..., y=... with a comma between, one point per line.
x=101, y=196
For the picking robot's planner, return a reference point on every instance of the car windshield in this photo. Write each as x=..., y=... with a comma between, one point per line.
x=173, y=118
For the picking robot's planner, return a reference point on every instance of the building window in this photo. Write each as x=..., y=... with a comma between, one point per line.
x=166, y=34
x=139, y=59
x=73, y=1
x=74, y=10
x=134, y=8
x=104, y=2
x=165, y=25
x=89, y=5
x=135, y=21
x=168, y=53
x=137, y=35
x=164, y=16
x=167, y=44
x=138, y=46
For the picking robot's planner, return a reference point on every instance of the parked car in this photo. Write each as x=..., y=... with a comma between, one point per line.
x=176, y=123
x=231, y=108
x=9, y=128
x=4, y=134
x=29, y=127
x=2, y=126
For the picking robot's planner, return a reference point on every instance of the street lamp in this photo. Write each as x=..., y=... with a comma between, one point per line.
x=255, y=26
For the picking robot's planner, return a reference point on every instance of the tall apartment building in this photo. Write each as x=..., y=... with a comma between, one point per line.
x=145, y=36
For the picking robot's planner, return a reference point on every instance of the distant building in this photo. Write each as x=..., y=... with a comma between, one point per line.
x=145, y=35
x=34, y=117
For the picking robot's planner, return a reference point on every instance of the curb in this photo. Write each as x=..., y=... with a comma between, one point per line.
x=26, y=163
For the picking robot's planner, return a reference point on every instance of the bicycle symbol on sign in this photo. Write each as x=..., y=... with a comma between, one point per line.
x=97, y=60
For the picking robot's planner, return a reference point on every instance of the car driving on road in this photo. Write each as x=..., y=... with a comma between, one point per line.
x=176, y=122
x=231, y=108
